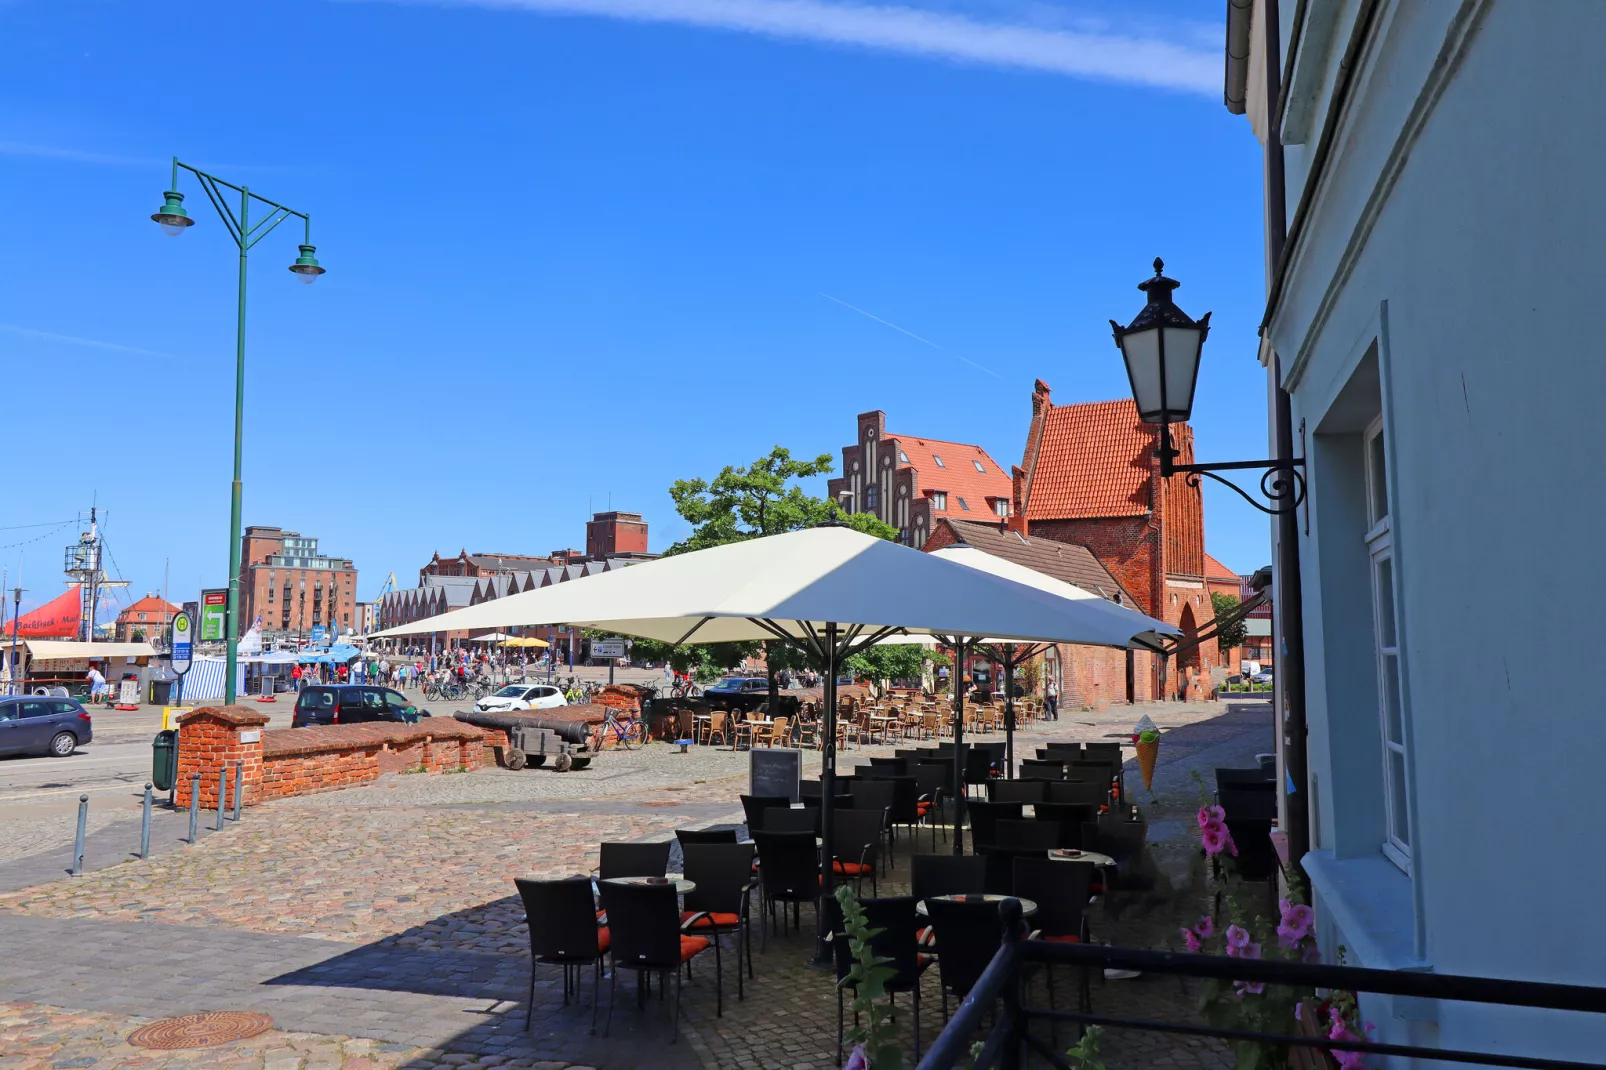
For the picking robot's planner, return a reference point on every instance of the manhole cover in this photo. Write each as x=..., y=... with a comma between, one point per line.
x=205, y=1030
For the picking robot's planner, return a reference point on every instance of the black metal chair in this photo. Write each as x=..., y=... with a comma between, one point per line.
x=645, y=935
x=857, y=840
x=1016, y=839
x=873, y=794
x=788, y=870
x=1021, y=791
x=1232, y=777
x=1041, y=769
x=1068, y=818
x=812, y=787
x=931, y=785
x=633, y=860
x=1060, y=752
x=1102, y=752
x=788, y=820
x=723, y=874
x=969, y=934
x=752, y=804
x=1095, y=794
x=686, y=836
x=893, y=924
x=984, y=818
x=978, y=767
x=890, y=766
x=1252, y=801
x=905, y=804
x=1060, y=890
x=564, y=932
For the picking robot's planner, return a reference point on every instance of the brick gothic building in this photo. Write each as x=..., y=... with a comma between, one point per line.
x=1089, y=476
x=278, y=567
x=912, y=482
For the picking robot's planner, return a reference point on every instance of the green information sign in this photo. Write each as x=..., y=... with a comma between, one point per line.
x=214, y=614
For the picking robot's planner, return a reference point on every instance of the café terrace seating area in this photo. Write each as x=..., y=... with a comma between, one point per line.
x=903, y=715
x=699, y=916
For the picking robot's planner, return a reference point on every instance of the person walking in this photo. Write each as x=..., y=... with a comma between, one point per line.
x=1051, y=699
x=97, y=684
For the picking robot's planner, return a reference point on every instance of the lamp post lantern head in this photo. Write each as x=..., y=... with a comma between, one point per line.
x=173, y=218
x=1161, y=349
x=306, y=265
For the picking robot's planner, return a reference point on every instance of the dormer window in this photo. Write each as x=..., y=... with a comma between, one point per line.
x=1001, y=507
x=939, y=500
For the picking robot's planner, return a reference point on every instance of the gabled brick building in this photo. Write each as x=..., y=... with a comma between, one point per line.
x=1089, y=476
x=911, y=482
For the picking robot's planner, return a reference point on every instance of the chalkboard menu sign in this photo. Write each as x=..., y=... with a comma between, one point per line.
x=775, y=771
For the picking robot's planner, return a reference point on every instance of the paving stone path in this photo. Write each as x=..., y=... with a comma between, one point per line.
x=376, y=927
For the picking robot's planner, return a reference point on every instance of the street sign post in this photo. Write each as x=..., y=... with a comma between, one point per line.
x=612, y=649
x=182, y=646
x=214, y=615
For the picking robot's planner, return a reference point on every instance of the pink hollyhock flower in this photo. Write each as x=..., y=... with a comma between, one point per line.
x=1211, y=815
x=1192, y=939
x=857, y=1059
x=1237, y=937
x=1207, y=927
x=1313, y=954
x=1215, y=839
x=1254, y=988
x=1251, y=951
x=1297, y=916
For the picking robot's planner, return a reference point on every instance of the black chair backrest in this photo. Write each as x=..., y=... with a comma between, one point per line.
x=788, y=863
x=1097, y=793
x=1059, y=889
x=1036, y=769
x=984, y=818
x=721, y=872
x=805, y=820
x=1254, y=801
x=1257, y=857
x=893, y=923
x=1090, y=772
x=931, y=775
x=633, y=860
x=1014, y=834
x=1021, y=791
x=968, y=936
x=841, y=800
x=812, y=787
x=873, y=795
x=1068, y=818
x=914, y=754
x=978, y=766
x=1102, y=752
x=686, y=836
x=1234, y=777
x=856, y=834
x=905, y=799
x=562, y=918
x=1060, y=752
x=752, y=804
x=643, y=924
x=934, y=874
x=890, y=766
x=1121, y=840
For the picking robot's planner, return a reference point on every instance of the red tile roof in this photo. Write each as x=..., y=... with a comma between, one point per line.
x=1094, y=461
x=1215, y=570
x=957, y=475
x=152, y=606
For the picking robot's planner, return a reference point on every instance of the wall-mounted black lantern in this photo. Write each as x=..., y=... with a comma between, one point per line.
x=1161, y=347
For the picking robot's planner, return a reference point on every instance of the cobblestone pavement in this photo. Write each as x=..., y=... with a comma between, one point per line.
x=383, y=914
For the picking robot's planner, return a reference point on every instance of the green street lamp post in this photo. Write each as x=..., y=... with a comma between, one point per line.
x=174, y=220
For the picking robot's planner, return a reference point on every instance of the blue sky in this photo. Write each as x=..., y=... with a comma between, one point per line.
x=580, y=248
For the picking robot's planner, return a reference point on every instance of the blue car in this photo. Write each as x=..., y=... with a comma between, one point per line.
x=41, y=724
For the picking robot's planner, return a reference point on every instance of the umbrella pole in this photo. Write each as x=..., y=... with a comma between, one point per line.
x=822, y=942
x=1009, y=711
x=958, y=682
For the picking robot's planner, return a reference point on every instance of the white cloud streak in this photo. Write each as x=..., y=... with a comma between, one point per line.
x=1081, y=53
x=93, y=343
x=911, y=334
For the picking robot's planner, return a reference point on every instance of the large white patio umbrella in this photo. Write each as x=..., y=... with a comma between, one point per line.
x=830, y=591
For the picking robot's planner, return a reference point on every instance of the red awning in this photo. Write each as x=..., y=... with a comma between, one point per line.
x=56, y=619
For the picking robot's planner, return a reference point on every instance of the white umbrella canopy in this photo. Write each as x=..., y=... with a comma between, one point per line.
x=795, y=583
x=494, y=637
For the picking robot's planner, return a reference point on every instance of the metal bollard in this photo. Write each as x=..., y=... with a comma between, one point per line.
x=145, y=826
x=222, y=795
x=239, y=787
x=195, y=805
x=78, y=846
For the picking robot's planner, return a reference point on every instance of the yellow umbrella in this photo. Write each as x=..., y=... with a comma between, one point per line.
x=531, y=641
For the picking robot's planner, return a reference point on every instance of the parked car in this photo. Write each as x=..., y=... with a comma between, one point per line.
x=739, y=692
x=1262, y=677
x=352, y=704
x=522, y=697
x=40, y=724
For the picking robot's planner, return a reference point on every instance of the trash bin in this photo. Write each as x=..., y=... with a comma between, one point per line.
x=164, y=760
x=161, y=692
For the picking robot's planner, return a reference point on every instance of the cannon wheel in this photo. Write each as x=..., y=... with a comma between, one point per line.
x=514, y=758
x=562, y=763
x=579, y=761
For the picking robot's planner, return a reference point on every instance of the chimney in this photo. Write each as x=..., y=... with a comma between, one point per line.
x=1016, y=521
x=1040, y=397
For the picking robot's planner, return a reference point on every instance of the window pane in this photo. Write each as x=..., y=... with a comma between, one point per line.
x=1399, y=828
x=1377, y=470
x=1385, y=602
x=1391, y=698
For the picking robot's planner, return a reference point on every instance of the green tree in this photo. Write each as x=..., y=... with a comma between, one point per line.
x=749, y=502
x=892, y=661
x=1230, y=635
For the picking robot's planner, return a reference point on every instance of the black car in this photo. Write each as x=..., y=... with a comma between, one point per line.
x=739, y=692
x=352, y=704
x=42, y=724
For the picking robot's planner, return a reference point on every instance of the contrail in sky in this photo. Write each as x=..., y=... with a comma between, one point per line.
x=911, y=334
x=93, y=343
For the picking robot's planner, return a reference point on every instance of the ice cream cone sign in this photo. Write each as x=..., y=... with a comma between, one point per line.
x=1147, y=737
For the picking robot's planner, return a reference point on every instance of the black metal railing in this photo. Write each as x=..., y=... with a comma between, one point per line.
x=999, y=990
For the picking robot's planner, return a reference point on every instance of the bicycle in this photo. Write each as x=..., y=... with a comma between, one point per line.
x=685, y=689
x=628, y=731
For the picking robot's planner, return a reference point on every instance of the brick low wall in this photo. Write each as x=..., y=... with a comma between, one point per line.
x=304, y=761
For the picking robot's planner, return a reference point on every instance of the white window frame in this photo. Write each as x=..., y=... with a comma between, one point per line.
x=1380, y=550
x=939, y=500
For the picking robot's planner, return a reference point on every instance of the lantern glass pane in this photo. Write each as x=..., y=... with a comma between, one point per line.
x=1141, y=350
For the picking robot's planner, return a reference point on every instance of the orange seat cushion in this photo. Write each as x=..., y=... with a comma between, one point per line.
x=709, y=919
x=850, y=869
x=924, y=936
x=923, y=808
x=602, y=941
x=1062, y=939
x=691, y=945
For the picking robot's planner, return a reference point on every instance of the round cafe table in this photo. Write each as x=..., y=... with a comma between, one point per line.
x=682, y=885
x=1027, y=906
x=1069, y=855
